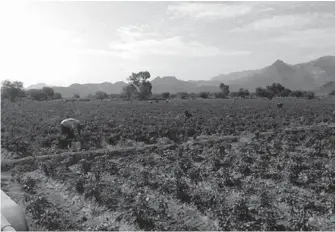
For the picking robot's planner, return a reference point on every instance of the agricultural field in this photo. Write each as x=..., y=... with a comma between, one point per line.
x=246, y=165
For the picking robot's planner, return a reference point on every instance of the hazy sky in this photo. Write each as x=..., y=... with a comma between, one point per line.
x=60, y=43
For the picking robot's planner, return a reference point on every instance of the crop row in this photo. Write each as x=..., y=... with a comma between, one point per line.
x=273, y=182
x=32, y=128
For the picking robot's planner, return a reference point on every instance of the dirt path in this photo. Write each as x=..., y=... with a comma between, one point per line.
x=5, y=164
x=73, y=206
x=57, y=193
x=12, y=188
x=15, y=191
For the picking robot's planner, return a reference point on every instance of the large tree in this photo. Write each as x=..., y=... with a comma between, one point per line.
x=142, y=85
x=224, y=89
x=182, y=95
x=37, y=95
x=129, y=91
x=243, y=93
x=57, y=96
x=276, y=89
x=165, y=95
x=12, y=90
x=261, y=92
x=101, y=95
x=49, y=92
x=145, y=90
x=273, y=90
x=138, y=78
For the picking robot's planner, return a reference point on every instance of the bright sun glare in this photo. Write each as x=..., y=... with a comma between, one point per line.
x=30, y=50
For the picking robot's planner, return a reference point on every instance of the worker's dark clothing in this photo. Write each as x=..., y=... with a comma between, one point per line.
x=69, y=126
x=187, y=115
x=68, y=132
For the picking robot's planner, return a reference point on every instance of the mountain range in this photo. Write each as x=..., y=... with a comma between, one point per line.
x=316, y=75
x=37, y=86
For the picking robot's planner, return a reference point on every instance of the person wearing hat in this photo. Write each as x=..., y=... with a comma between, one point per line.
x=71, y=128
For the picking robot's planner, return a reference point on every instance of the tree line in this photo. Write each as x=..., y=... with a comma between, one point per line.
x=14, y=90
x=140, y=88
x=274, y=90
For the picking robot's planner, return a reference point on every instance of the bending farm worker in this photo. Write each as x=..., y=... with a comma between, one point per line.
x=187, y=115
x=69, y=127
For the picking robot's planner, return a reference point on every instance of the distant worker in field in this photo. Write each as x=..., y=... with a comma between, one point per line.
x=280, y=105
x=69, y=126
x=187, y=115
x=234, y=100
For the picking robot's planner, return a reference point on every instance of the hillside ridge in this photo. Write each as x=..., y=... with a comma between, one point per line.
x=311, y=75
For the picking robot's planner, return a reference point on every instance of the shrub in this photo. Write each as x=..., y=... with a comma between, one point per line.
x=165, y=95
x=182, y=95
x=310, y=95
x=36, y=205
x=37, y=95
x=296, y=93
x=57, y=96
x=219, y=95
x=28, y=184
x=233, y=94
x=243, y=93
x=204, y=95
